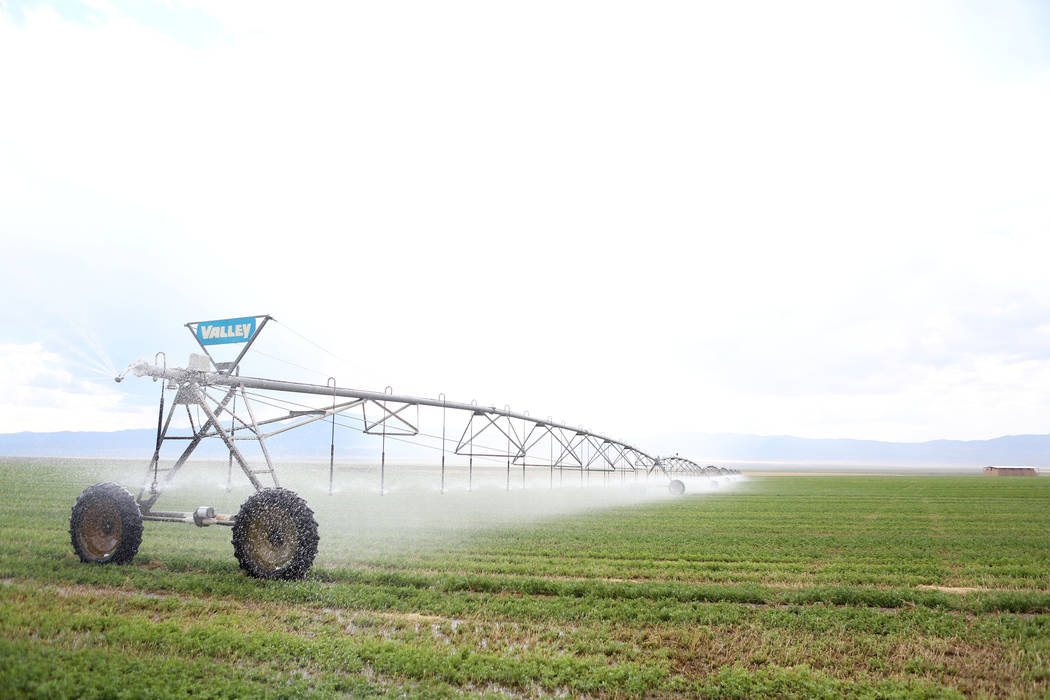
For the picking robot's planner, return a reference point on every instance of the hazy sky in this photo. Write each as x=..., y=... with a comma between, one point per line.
x=821, y=219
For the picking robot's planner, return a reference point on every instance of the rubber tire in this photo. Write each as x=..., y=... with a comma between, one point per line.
x=93, y=522
x=676, y=487
x=275, y=535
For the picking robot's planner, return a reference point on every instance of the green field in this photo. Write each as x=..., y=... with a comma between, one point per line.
x=782, y=586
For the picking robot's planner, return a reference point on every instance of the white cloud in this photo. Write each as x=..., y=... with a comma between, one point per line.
x=821, y=218
x=43, y=394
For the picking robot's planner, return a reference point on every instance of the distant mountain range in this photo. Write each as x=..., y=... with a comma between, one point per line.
x=1031, y=450
x=312, y=442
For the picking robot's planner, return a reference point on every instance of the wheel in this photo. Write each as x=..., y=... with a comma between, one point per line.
x=677, y=487
x=275, y=535
x=106, y=525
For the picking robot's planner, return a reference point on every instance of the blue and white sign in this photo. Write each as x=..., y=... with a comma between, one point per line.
x=227, y=330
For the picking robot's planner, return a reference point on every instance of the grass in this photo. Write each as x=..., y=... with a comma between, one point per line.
x=783, y=587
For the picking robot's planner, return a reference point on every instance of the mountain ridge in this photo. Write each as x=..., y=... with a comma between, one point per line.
x=313, y=441
x=1027, y=449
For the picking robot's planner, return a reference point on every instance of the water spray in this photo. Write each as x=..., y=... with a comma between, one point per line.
x=274, y=533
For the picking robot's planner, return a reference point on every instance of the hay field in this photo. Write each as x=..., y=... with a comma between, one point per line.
x=779, y=586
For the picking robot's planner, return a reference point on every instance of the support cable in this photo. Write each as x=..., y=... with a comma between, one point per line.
x=284, y=404
x=331, y=454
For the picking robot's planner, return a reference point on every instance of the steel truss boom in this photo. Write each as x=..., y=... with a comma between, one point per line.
x=204, y=379
x=571, y=447
x=182, y=376
x=274, y=532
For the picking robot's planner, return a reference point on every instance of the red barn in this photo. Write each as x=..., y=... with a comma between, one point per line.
x=1011, y=471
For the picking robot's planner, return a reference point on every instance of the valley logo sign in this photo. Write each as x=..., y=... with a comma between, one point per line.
x=227, y=330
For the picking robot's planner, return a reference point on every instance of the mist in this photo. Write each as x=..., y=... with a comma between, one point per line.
x=359, y=523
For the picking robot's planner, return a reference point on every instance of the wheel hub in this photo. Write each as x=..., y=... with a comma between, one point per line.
x=272, y=538
x=100, y=533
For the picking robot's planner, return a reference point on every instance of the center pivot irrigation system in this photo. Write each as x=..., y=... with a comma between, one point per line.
x=275, y=533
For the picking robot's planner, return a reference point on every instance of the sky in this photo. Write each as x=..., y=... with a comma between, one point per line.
x=821, y=219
